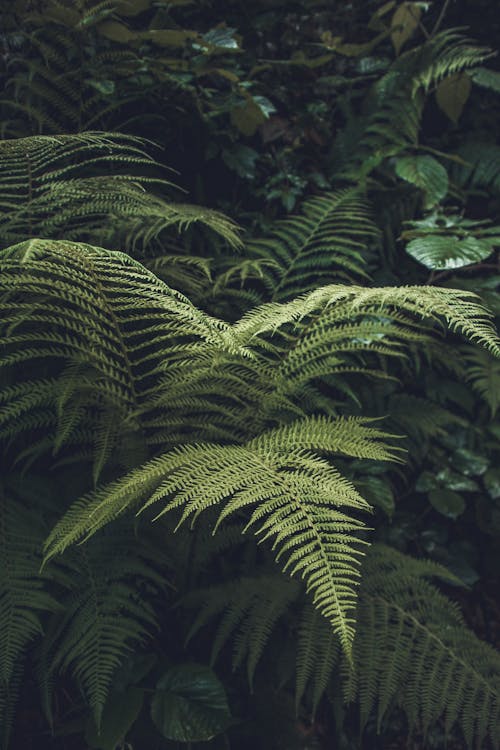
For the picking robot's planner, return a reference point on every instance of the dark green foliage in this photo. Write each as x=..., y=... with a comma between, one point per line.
x=292, y=470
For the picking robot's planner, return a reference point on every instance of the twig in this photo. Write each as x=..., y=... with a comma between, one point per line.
x=440, y=18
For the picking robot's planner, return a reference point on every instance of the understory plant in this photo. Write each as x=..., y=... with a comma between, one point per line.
x=228, y=459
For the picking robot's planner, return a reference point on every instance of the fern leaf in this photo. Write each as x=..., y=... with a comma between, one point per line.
x=24, y=594
x=484, y=373
x=326, y=240
x=46, y=192
x=104, y=615
x=412, y=650
x=294, y=499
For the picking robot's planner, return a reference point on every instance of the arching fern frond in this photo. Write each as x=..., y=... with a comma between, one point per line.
x=303, y=320
x=324, y=242
x=92, y=187
x=288, y=496
x=413, y=650
x=106, y=329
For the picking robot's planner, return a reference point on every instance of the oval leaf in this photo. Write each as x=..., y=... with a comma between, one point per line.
x=426, y=173
x=120, y=712
x=452, y=94
x=441, y=253
x=447, y=502
x=189, y=704
x=404, y=22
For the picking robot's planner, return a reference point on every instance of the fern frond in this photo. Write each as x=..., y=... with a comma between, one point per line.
x=247, y=609
x=105, y=324
x=317, y=654
x=47, y=192
x=292, y=497
x=104, y=615
x=332, y=305
x=413, y=650
x=325, y=241
x=24, y=594
x=483, y=371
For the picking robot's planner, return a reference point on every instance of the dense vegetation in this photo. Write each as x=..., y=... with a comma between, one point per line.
x=249, y=379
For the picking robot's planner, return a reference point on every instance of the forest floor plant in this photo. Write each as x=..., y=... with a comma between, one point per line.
x=173, y=391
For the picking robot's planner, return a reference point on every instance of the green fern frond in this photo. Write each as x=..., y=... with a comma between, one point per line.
x=248, y=610
x=24, y=594
x=325, y=241
x=106, y=325
x=104, y=614
x=46, y=192
x=335, y=304
x=449, y=52
x=293, y=498
x=412, y=650
x=420, y=418
x=483, y=371
x=317, y=654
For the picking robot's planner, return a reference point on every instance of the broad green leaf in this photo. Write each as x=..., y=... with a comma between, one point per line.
x=492, y=482
x=247, y=117
x=470, y=463
x=452, y=480
x=452, y=94
x=189, y=704
x=120, y=712
x=426, y=173
x=447, y=502
x=404, y=22
x=222, y=37
x=488, y=79
x=440, y=252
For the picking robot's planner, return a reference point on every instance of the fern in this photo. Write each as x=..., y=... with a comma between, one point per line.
x=24, y=594
x=326, y=241
x=104, y=616
x=93, y=187
x=483, y=372
x=412, y=650
x=294, y=498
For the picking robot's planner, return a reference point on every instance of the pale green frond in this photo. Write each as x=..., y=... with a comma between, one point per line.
x=331, y=305
x=107, y=327
x=294, y=499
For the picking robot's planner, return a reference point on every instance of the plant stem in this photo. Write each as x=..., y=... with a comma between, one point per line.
x=440, y=18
